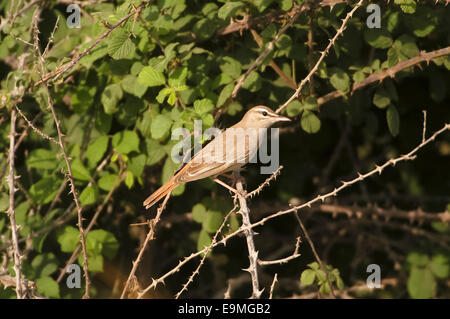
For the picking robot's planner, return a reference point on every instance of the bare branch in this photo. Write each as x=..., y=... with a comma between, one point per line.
x=150, y=236
x=287, y=259
x=63, y=149
x=11, y=210
x=252, y=253
x=380, y=76
x=214, y=240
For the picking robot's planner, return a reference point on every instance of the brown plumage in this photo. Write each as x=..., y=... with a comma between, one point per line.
x=217, y=157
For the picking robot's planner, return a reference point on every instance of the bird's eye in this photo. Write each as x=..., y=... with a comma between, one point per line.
x=264, y=113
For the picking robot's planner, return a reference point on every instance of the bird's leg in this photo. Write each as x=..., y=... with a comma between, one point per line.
x=218, y=181
x=236, y=177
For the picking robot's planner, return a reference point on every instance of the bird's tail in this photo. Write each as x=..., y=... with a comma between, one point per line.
x=160, y=193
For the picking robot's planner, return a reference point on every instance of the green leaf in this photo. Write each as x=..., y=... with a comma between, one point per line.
x=253, y=83
x=307, y=277
x=203, y=106
x=111, y=95
x=423, y=22
x=160, y=126
x=407, y=6
x=229, y=9
x=204, y=240
x=230, y=66
x=199, y=213
x=155, y=152
x=417, y=259
x=294, y=108
x=82, y=99
x=440, y=266
x=41, y=158
x=45, y=190
x=131, y=85
x=421, y=283
x=205, y=28
x=120, y=45
x=393, y=120
x=212, y=221
x=168, y=169
x=378, y=38
x=340, y=80
x=125, y=142
x=129, y=179
x=310, y=104
x=44, y=265
x=314, y=265
x=95, y=262
x=325, y=288
x=89, y=195
x=107, y=182
x=137, y=164
x=225, y=94
x=310, y=122
x=48, y=287
x=109, y=243
x=381, y=98
x=68, y=239
x=150, y=77
x=96, y=150
x=79, y=171
x=286, y=5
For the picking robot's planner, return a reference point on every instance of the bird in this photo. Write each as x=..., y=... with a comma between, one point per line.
x=220, y=156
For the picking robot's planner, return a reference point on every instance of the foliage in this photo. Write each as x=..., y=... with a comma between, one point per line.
x=172, y=63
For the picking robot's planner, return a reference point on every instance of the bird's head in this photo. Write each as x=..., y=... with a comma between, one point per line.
x=261, y=117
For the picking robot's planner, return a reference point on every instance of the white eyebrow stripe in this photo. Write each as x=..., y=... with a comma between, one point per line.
x=260, y=109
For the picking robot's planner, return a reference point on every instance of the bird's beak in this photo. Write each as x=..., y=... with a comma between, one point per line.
x=283, y=119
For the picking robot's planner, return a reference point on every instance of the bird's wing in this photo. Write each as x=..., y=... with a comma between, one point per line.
x=209, y=161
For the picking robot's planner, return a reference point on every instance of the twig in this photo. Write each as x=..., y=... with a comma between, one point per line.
x=270, y=46
x=322, y=56
x=150, y=236
x=424, y=131
x=38, y=131
x=66, y=158
x=266, y=183
x=377, y=212
x=380, y=76
x=99, y=209
x=202, y=261
x=252, y=253
x=272, y=287
x=273, y=65
x=294, y=255
x=316, y=255
x=11, y=210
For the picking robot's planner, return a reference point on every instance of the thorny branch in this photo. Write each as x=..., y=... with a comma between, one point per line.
x=252, y=253
x=150, y=236
x=390, y=72
x=11, y=210
x=73, y=190
x=345, y=184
